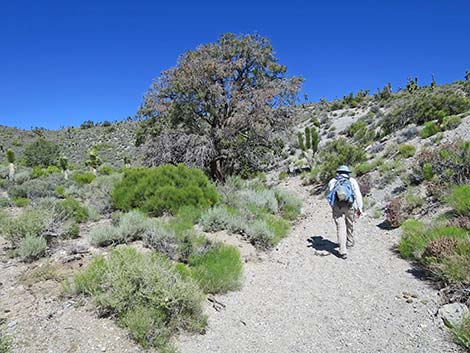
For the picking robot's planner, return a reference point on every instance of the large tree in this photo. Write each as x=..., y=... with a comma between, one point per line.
x=221, y=108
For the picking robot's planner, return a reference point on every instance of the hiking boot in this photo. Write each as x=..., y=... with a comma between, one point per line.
x=343, y=256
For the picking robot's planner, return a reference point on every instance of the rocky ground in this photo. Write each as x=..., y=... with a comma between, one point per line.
x=299, y=297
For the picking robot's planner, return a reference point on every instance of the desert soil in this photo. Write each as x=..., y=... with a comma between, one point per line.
x=297, y=300
x=292, y=300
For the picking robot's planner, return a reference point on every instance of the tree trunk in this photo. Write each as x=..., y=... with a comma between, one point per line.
x=11, y=173
x=216, y=170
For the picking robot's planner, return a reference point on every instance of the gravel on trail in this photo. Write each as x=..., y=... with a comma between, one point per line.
x=298, y=301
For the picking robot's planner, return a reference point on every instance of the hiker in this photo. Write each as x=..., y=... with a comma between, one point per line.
x=345, y=200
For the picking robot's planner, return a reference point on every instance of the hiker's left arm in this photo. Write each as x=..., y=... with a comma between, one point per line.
x=357, y=193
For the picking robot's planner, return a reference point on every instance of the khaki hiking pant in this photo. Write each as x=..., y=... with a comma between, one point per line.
x=344, y=218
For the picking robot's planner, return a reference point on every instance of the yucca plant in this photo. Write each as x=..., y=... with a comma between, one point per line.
x=93, y=161
x=64, y=165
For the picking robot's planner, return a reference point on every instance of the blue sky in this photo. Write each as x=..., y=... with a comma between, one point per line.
x=63, y=62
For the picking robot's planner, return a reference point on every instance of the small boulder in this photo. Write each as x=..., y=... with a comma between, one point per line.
x=452, y=314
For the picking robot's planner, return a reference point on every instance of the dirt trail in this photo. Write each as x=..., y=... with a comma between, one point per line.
x=296, y=301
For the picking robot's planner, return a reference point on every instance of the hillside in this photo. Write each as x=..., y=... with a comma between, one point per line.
x=114, y=142
x=84, y=259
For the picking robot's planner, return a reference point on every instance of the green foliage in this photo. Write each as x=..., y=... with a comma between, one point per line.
x=416, y=236
x=73, y=231
x=423, y=106
x=74, y=209
x=106, y=170
x=32, y=248
x=5, y=344
x=462, y=332
x=366, y=167
x=406, y=151
x=315, y=139
x=146, y=293
x=41, y=172
x=131, y=226
x=289, y=204
x=219, y=270
x=300, y=138
x=412, y=84
x=83, y=178
x=283, y=175
x=20, y=201
x=93, y=161
x=308, y=141
x=63, y=163
x=30, y=223
x=430, y=129
x=451, y=122
x=10, y=156
x=448, y=164
x=41, y=153
x=60, y=190
x=336, y=153
x=459, y=199
x=249, y=208
x=427, y=171
x=164, y=189
x=211, y=115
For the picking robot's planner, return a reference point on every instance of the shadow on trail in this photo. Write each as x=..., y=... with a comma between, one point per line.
x=322, y=244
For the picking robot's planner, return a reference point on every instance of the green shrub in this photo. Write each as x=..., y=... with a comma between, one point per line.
x=279, y=228
x=289, y=204
x=459, y=199
x=32, y=248
x=41, y=153
x=20, y=201
x=430, y=129
x=5, y=344
x=413, y=238
x=73, y=208
x=406, y=151
x=336, y=153
x=106, y=170
x=98, y=193
x=162, y=238
x=451, y=122
x=449, y=164
x=215, y=219
x=261, y=234
x=83, y=178
x=146, y=293
x=104, y=235
x=164, y=189
x=462, y=333
x=60, y=191
x=30, y=223
x=131, y=226
x=416, y=236
x=427, y=171
x=283, y=175
x=41, y=171
x=219, y=270
x=423, y=106
x=73, y=231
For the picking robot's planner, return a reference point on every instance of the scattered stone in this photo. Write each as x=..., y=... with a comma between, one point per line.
x=452, y=314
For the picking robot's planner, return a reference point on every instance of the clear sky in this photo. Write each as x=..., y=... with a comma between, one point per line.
x=63, y=62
